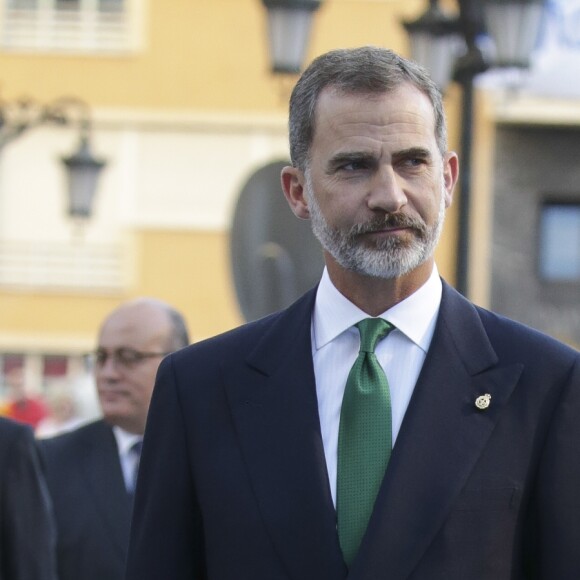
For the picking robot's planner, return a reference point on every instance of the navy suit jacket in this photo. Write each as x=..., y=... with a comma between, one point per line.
x=233, y=482
x=91, y=505
x=27, y=531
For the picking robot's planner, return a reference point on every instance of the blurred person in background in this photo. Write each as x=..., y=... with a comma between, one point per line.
x=91, y=471
x=62, y=415
x=21, y=406
x=27, y=530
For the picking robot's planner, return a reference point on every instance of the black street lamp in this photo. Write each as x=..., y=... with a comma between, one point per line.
x=485, y=33
x=289, y=25
x=435, y=40
x=83, y=169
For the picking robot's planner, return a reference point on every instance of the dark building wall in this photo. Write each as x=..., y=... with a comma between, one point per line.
x=532, y=165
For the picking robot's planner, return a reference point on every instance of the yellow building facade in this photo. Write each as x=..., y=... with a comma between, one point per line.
x=183, y=114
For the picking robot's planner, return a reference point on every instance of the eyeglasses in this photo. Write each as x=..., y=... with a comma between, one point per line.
x=123, y=357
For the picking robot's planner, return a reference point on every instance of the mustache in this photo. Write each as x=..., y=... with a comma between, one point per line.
x=395, y=220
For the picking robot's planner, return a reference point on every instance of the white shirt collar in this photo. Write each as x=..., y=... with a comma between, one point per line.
x=125, y=440
x=415, y=316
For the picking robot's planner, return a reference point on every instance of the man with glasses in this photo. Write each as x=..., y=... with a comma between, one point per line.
x=91, y=471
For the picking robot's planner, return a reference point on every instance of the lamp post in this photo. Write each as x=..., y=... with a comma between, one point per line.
x=512, y=26
x=289, y=25
x=83, y=169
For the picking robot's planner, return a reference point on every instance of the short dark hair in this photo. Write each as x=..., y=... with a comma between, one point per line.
x=364, y=70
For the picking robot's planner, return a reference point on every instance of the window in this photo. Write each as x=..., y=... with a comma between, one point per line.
x=559, y=255
x=8, y=362
x=11, y=361
x=57, y=266
x=77, y=26
x=54, y=366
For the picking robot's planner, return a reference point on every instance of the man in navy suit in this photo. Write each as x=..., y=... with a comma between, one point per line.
x=27, y=530
x=91, y=471
x=239, y=470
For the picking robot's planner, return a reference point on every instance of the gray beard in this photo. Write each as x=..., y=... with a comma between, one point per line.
x=386, y=258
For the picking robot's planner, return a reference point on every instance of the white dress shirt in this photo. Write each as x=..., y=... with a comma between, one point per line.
x=128, y=459
x=335, y=346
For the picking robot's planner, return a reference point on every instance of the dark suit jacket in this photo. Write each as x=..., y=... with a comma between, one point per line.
x=91, y=504
x=233, y=482
x=27, y=534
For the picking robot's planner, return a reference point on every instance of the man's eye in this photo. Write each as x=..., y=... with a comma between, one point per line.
x=128, y=356
x=354, y=166
x=414, y=162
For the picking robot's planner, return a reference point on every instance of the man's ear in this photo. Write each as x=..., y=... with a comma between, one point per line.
x=293, y=186
x=450, y=175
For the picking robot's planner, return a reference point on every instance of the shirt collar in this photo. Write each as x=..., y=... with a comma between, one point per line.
x=125, y=440
x=415, y=316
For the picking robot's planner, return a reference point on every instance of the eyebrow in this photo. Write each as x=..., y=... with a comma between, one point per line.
x=413, y=153
x=349, y=157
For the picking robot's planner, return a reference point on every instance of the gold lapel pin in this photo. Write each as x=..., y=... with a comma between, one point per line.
x=483, y=401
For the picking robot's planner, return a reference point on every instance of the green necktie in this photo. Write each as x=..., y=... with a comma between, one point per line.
x=364, y=439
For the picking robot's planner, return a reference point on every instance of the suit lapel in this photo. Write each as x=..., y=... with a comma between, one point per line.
x=274, y=406
x=104, y=479
x=441, y=439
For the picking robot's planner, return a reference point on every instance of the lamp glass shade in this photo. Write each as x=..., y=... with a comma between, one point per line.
x=514, y=26
x=83, y=173
x=289, y=33
x=437, y=54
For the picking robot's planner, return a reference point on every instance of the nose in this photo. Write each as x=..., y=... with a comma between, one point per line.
x=386, y=193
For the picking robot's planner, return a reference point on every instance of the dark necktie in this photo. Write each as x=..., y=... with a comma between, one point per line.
x=135, y=451
x=364, y=438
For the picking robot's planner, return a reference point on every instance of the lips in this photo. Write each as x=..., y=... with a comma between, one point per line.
x=387, y=231
x=110, y=396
